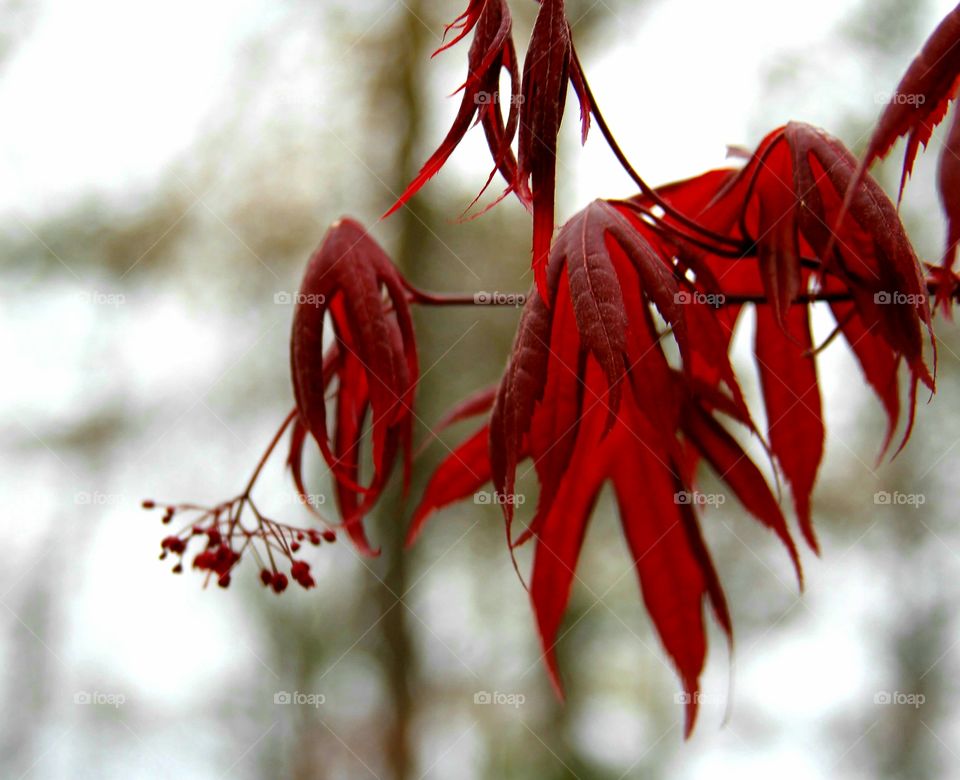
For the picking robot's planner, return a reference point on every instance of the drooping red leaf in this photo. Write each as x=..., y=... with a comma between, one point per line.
x=669, y=556
x=520, y=389
x=555, y=425
x=921, y=98
x=917, y=106
x=869, y=258
x=734, y=467
x=353, y=404
x=872, y=252
x=376, y=369
x=714, y=202
x=672, y=564
x=299, y=432
x=460, y=475
x=594, y=288
x=582, y=281
x=477, y=403
x=465, y=470
x=877, y=360
x=535, y=114
x=784, y=202
x=778, y=243
x=463, y=24
x=555, y=404
x=560, y=536
x=546, y=70
x=791, y=395
x=492, y=50
x=948, y=182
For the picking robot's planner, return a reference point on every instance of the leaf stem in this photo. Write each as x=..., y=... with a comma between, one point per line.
x=481, y=298
x=514, y=299
x=266, y=455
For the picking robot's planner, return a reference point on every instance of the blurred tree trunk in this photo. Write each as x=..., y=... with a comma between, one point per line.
x=397, y=86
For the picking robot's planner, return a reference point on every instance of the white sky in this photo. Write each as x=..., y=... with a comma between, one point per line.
x=105, y=92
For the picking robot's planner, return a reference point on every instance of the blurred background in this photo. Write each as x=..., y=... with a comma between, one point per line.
x=165, y=171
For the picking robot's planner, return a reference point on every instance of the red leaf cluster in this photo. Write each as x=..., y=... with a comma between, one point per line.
x=592, y=394
x=372, y=355
x=620, y=371
x=916, y=107
x=366, y=358
x=492, y=51
x=536, y=107
x=780, y=208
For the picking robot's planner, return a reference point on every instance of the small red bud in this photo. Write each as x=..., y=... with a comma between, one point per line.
x=174, y=544
x=301, y=573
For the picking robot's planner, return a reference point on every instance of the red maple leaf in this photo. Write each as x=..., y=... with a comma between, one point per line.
x=375, y=363
x=915, y=108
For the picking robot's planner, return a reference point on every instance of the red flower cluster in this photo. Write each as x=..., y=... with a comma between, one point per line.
x=225, y=534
